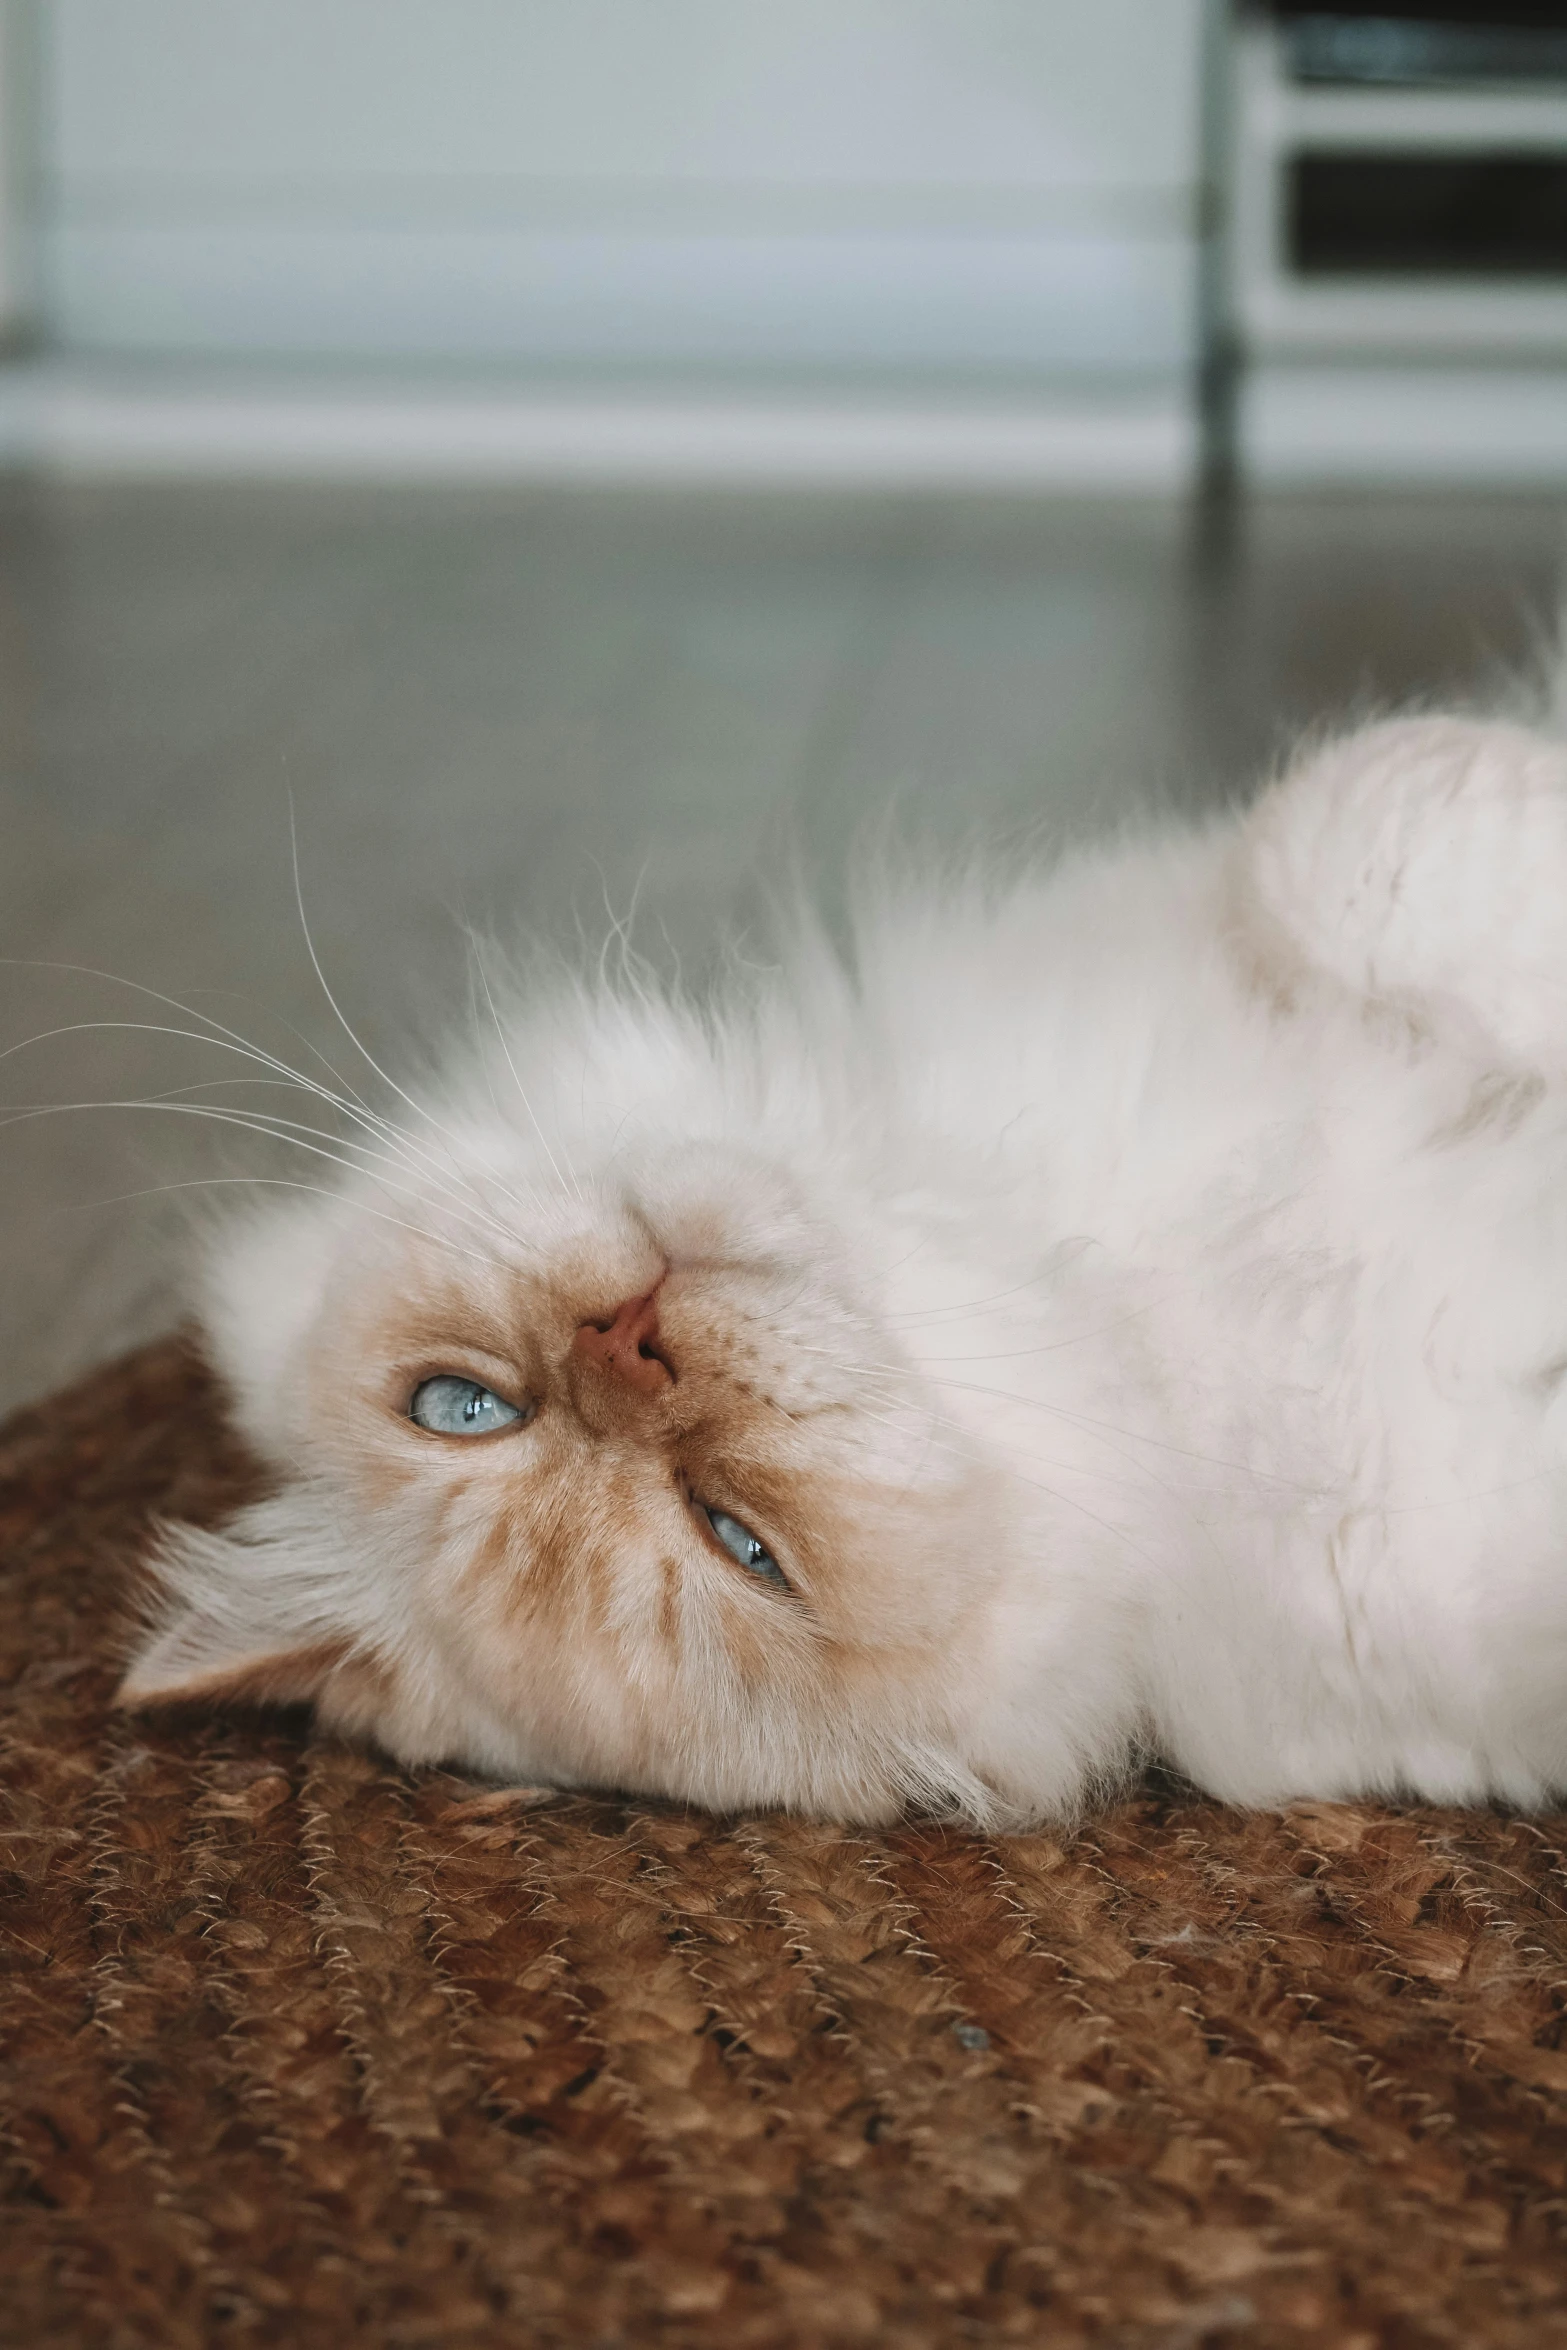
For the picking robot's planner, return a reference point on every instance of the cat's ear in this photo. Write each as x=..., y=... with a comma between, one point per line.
x=253, y=1616
x=191, y=1660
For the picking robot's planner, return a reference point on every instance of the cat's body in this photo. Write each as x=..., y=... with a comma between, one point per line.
x=1128, y=1316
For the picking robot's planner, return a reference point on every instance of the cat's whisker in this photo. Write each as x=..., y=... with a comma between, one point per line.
x=443, y=1165
x=213, y=1031
x=481, y=1057
x=288, y=1131
x=218, y=1037
x=1106, y=1429
x=288, y=1183
x=176, y=1093
x=912, y=1325
x=1135, y=1436
x=1143, y=1470
x=933, y=1431
x=169, y=1093
x=342, y=1084
x=1050, y=1346
x=418, y=1108
x=480, y=1053
x=934, y=1434
x=315, y=964
x=522, y=1090
x=402, y=1157
x=921, y=1316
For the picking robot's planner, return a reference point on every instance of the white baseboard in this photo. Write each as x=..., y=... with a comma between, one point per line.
x=1300, y=426
x=1497, y=427
x=73, y=418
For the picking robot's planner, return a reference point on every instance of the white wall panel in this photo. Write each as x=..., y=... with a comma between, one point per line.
x=938, y=183
x=1069, y=304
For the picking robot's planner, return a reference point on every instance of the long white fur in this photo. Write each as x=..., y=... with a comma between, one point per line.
x=1205, y=1194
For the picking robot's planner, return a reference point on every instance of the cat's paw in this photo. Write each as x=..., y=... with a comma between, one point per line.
x=1421, y=864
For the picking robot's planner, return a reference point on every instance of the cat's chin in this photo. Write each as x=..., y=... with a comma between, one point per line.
x=874, y=1775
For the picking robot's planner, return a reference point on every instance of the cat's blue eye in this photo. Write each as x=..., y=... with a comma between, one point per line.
x=743, y=1546
x=449, y=1406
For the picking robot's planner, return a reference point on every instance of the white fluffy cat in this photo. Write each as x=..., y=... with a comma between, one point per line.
x=1123, y=1313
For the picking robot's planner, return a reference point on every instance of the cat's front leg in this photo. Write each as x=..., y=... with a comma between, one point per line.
x=1421, y=864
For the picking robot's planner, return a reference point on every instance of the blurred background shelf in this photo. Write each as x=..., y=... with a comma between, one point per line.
x=1426, y=219
x=1391, y=288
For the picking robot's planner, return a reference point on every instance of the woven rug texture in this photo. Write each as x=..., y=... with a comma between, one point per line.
x=300, y=2048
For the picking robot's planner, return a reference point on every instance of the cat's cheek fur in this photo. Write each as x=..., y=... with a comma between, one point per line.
x=617, y=1657
x=260, y=1285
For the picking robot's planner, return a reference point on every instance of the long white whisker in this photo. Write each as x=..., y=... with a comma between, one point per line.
x=217, y=1042
x=1181, y=1500
x=481, y=1055
x=1133, y=1435
x=362, y=1049
x=522, y=1090
x=1106, y=1428
x=290, y=1131
x=214, y=1031
x=170, y=1093
x=418, y=1107
x=155, y=995
x=913, y=1326
x=220, y=1039
x=287, y=1183
x=974, y=1305
x=345, y=1085
x=399, y=1148
x=217, y=1039
x=1074, y=1469
x=286, y=1076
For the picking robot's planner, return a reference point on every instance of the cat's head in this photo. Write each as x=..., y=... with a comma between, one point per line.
x=615, y=1479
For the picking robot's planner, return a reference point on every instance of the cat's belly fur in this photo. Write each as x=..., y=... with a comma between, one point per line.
x=1392, y=1611
x=1301, y=1405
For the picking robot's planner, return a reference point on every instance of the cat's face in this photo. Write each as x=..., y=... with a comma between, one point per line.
x=644, y=1500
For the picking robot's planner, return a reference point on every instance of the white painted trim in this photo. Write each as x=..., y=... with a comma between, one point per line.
x=1451, y=317
x=649, y=301
x=1316, y=426
x=1453, y=121
x=70, y=419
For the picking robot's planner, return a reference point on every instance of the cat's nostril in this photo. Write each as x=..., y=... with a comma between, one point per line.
x=628, y=1345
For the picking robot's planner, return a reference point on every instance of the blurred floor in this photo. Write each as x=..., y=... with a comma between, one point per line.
x=503, y=708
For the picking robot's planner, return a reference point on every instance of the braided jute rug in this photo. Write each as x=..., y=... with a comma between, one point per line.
x=301, y=2049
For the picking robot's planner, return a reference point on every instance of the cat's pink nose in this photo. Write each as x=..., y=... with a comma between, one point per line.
x=628, y=1346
